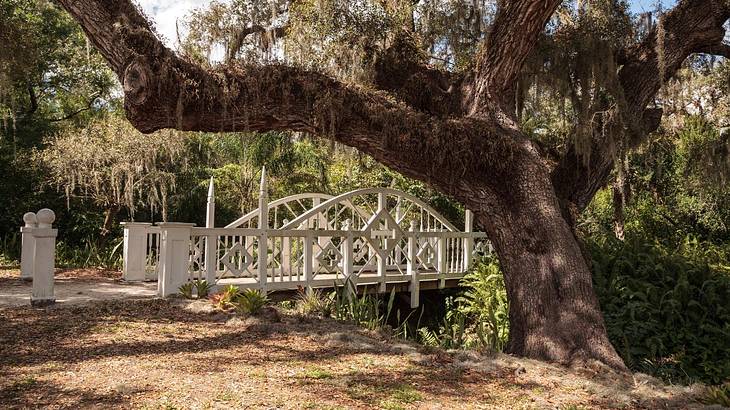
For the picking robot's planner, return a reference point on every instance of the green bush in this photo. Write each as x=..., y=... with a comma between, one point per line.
x=485, y=301
x=315, y=302
x=478, y=318
x=250, y=301
x=667, y=310
x=367, y=310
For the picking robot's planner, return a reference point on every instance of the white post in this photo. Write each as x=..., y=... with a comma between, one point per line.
x=318, y=222
x=347, y=254
x=27, y=246
x=307, y=260
x=263, y=250
x=174, y=257
x=44, y=259
x=211, y=241
x=468, y=240
x=135, y=251
x=412, y=267
x=382, y=258
x=210, y=206
x=441, y=260
x=286, y=254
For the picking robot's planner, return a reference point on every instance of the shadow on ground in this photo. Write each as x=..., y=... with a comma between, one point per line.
x=159, y=353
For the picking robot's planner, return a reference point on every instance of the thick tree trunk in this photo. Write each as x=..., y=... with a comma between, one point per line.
x=554, y=313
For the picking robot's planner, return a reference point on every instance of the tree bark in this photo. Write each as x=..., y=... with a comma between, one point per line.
x=554, y=313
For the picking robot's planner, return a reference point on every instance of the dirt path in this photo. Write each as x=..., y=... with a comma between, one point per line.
x=74, y=287
x=176, y=354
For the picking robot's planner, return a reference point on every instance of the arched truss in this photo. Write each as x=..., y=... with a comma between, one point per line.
x=360, y=205
x=282, y=209
x=322, y=211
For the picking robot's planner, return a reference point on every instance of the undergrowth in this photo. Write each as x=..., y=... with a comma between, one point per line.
x=667, y=310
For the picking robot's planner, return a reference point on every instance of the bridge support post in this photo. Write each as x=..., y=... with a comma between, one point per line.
x=307, y=260
x=174, y=256
x=263, y=248
x=347, y=254
x=211, y=241
x=412, y=267
x=441, y=260
x=468, y=240
x=381, y=257
x=286, y=255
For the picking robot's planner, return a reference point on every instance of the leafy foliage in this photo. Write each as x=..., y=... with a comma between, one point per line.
x=719, y=395
x=250, y=301
x=367, y=310
x=186, y=290
x=485, y=301
x=315, y=302
x=666, y=309
x=115, y=165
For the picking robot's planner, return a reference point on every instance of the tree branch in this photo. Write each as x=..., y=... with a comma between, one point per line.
x=691, y=26
x=165, y=91
x=240, y=37
x=722, y=50
x=517, y=27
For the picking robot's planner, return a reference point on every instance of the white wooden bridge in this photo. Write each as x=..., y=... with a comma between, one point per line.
x=371, y=236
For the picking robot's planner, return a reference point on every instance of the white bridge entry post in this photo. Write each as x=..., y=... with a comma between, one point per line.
x=174, y=257
x=134, y=268
x=44, y=256
x=372, y=237
x=27, y=249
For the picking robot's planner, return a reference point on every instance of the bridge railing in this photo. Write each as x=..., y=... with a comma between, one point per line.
x=272, y=259
x=385, y=236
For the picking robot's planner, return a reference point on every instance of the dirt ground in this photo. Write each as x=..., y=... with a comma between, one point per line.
x=74, y=286
x=175, y=354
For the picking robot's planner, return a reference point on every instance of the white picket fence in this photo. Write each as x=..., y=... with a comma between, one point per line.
x=371, y=236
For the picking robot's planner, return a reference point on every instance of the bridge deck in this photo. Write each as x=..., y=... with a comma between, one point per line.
x=427, y=280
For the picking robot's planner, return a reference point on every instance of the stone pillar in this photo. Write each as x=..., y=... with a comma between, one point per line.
x=174, y=257
x=28, y=246
x=44, y=259
x=135, y=251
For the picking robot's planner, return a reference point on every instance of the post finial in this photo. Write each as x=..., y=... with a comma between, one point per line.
x=262, y=187
x=211, y=188
x=30, y=220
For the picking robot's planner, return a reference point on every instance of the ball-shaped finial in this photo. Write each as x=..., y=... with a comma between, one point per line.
x=30, y=219
x=45, y=218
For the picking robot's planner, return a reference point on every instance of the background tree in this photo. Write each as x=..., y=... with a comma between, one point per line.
x=115, y=166
x=457, y=130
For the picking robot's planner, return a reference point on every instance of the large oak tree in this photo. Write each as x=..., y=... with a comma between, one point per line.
x=459, y=132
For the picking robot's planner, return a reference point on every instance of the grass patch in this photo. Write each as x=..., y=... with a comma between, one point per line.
x=406, y=394
x=317, y=374
x=23, y=384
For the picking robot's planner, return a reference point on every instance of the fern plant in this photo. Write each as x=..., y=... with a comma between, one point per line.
x=485, y=303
